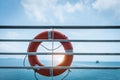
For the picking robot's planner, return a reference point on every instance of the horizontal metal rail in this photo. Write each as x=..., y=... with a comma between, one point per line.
x=54, y=40
x=58, y=40
x=48, y=53
x=58, y=27
x=58, y=67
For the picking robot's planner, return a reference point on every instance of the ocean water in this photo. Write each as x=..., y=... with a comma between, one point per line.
x=75, y=74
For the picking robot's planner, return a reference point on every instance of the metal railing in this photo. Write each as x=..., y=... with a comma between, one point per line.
x=59, y=27
x=56, y=40
x=57, y=67
x=48, y=53
x=59, y=40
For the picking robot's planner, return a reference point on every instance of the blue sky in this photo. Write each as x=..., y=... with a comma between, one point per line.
x=62, y=12
x=59, y=12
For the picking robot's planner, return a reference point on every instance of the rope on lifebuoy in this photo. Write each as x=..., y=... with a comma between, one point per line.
x=50, y=49
x=66, y=74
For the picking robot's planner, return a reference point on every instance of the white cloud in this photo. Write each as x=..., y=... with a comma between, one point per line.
x=12, y=35
x=9, y=47
x=72, y=8
x=105, y=4
x=47, y=10
x=108, y=5
x=12, y=47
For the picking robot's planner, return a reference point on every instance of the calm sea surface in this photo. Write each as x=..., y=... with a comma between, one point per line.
x=75, y=74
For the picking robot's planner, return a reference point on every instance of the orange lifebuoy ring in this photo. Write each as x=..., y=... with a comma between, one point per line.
x=33, y=60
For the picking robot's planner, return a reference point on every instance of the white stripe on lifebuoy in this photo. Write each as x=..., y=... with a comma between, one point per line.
x=69, y=51
x=49, y=35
